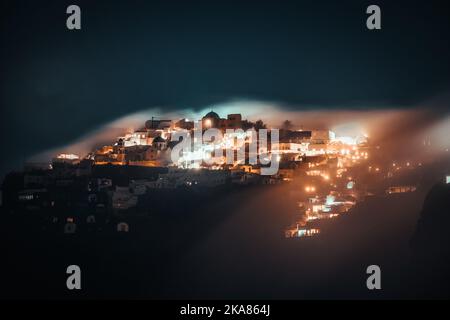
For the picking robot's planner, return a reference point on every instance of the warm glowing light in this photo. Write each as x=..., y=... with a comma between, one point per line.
x=307, y=232
x=68, y=156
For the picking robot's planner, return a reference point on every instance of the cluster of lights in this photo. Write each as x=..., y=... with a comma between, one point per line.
x=308, y=232
x=310, y=189
x=68, y=156
x=360, y=156
x=312, y=165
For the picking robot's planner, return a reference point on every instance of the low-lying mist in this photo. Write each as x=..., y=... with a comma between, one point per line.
x=401, y=132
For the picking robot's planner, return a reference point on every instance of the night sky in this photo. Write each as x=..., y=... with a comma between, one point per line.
x=57, y=85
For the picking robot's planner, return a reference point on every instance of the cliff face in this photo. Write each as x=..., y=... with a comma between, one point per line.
x=431, y=239
x=430, y=243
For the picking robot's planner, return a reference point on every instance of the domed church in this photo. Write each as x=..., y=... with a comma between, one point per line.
x=213, y=120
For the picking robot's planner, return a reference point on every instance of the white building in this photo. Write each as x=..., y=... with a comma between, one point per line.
x=144, y=137
x=322, y=136
x=66, y=158
x=137, y=138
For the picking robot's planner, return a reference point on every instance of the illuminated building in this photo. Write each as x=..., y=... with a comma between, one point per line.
x=213, y=120
x=322, y=136
x=140, y=138
x=66, y=158
x=400, y=189
x=297, y=232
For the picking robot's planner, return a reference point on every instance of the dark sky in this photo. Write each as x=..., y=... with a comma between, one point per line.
x=57, y=85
